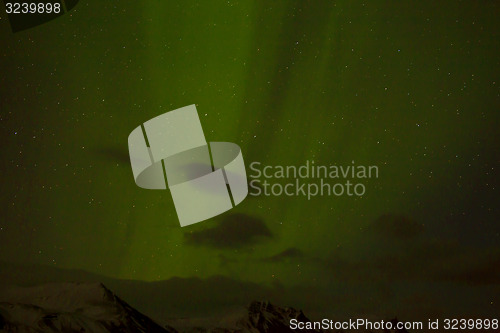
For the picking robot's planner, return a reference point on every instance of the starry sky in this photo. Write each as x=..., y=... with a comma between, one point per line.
x=412, y=87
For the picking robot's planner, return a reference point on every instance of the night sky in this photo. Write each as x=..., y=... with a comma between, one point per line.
x=409, y=86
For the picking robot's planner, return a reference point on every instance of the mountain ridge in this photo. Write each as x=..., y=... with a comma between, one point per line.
x=91, y=307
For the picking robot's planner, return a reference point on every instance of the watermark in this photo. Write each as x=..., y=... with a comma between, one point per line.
x=209, y=178
x=355, y=324
x=170, y=151
x=310, y=180
x=28, y=14
x=457, y=324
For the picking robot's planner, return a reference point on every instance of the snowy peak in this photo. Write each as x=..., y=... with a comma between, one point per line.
x=265, y=317
x=70, y=307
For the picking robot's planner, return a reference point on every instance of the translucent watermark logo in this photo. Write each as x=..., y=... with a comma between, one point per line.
x=170, y=151
x=310, y=180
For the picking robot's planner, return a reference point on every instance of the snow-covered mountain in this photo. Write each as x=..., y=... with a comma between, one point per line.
x=265, y=317
x=79, y=307
x=70, y=307
x=260, y=317
x=91, y=307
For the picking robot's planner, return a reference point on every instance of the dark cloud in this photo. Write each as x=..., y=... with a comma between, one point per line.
x=290, y=253
x=398, y=226
x=225, y=260
x=233, y=231
x=284, y=256
x=114, y=154
x=475, y=268
x=398, y=248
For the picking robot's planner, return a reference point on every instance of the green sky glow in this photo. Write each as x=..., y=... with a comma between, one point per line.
x=411, y=87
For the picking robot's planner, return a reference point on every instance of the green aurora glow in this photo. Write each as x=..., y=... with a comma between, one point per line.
x=411, y=87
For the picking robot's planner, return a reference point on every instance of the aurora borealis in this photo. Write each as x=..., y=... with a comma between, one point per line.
x=411, y=87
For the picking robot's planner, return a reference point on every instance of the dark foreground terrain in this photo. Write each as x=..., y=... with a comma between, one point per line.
x=91, y=307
